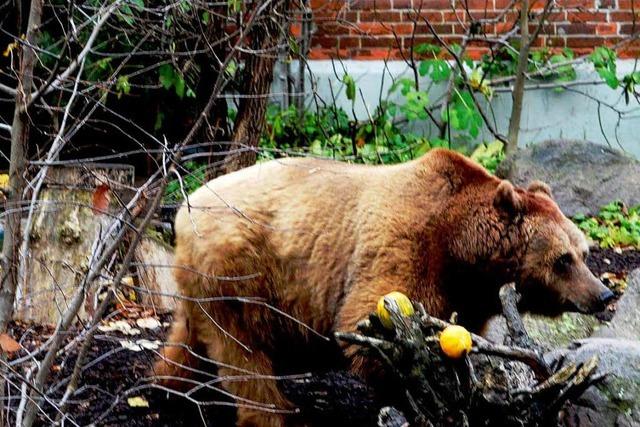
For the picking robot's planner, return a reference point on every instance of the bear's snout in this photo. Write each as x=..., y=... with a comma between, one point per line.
x=606, y=297
x=597, y=297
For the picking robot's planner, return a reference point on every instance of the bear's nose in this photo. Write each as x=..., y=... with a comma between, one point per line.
x=606, y=297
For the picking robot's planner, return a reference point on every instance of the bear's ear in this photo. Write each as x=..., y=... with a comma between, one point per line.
x=540, y=187
x=507, y=199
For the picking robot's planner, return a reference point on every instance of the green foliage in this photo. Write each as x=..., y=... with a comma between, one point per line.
x=489, y=155
x=463, y=114
x=192, y=179
x=330, y=132
x=604, y=61
x=234, y=6
x=51, y=46
x=386, y=137
x=169, y=77
x=629, y=83
x=436, y=68
x=505, y=63
x=615, y=226
x=416, y=102
x=123, y=86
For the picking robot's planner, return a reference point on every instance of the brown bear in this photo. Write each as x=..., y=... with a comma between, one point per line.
x=283, y=251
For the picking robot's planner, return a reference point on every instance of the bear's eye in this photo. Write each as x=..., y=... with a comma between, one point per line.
x=564, y=262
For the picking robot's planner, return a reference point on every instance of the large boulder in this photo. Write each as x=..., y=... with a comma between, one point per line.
x=548, y=332
x=614, y=401
x=626, y=321
x=583, y=176
x=556, y=332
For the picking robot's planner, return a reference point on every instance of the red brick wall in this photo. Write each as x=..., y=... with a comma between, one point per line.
x=379, y=29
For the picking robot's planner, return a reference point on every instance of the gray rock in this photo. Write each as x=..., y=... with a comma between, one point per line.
x=615, y=401
x=626, y=321
x=583, y=176
x=548, y=332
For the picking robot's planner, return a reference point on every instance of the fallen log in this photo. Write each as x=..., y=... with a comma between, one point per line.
x=493, y=384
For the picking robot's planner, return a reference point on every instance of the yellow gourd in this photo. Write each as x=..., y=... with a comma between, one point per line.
x=403, y=303
x=455, y=341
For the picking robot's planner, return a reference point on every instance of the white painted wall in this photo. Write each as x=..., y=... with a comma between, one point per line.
x=547, y=113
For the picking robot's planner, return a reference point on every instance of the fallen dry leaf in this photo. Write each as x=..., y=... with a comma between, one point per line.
x=8, y=344
x=615, y=281
x=149, y=345
x=101, y=198
x=138, y=402
x=120, y=326
x=148, y=323
x=130, y=345
x=140, y=345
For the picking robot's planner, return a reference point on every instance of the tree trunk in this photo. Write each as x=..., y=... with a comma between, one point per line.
x=216, y=129
x=258, y=75
x=305, y=42
x=518, y=86
x=17, y=169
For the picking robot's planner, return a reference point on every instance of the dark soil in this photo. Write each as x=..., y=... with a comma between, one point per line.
x=113, y=373
x=601, y=261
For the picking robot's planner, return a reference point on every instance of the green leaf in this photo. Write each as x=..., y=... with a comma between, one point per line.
x=609, y=77
x=351, y=87
x=604, y=61
x=185, y=6
x=159, y=119
x=126, y=14
x=139, y=4
x=234, y=6
x=456, y=48
x=166, y=76
x=437, y=69
x=232, y=68
x=423, y=48
x=422, y=149
x=415, y=106
x=180, y=86
x=423, y=68
x=123, y=85
x=568, y=52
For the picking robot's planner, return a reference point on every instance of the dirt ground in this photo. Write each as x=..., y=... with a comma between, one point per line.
x=114, y=373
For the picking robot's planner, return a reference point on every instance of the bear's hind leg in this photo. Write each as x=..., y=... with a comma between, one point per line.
x=178, y=362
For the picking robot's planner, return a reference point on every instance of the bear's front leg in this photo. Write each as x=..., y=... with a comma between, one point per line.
x=250, y=378
x=361, y=300
x=178, y=360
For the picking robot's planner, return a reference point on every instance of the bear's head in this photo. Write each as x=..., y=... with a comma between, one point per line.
x=550, y=253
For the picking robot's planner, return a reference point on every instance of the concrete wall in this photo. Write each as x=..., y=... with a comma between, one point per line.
x=547, y=113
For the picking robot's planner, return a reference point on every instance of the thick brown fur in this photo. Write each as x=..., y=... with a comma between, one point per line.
x=321, y=241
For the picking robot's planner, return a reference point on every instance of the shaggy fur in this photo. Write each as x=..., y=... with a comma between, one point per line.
x=321, y=241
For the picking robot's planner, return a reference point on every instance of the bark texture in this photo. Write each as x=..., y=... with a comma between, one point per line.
x=518, y=87
x=18, y=166
x=258, y=75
